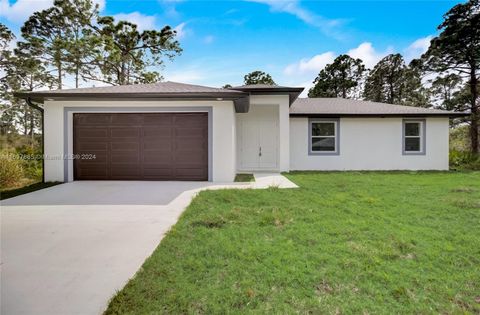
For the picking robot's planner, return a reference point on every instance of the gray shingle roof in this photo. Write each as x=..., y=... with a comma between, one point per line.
x=341, y=106
x=160, y=87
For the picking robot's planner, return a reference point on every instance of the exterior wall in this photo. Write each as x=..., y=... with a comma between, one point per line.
x=371, y=144
x=282, y=101
x=57, y=142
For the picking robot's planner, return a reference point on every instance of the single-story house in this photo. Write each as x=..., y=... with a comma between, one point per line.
x=175, y=131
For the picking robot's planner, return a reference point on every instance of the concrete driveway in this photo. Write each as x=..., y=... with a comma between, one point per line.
x=68, y=248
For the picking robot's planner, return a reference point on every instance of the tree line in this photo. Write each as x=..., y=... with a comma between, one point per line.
x=71, y=40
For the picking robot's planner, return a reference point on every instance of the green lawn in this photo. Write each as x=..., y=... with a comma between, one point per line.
x=344, y=243
x=244, y=178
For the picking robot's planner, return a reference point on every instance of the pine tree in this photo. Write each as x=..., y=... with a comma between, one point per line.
x=342, y=78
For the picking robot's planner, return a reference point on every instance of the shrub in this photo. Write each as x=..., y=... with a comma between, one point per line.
x=464, y=160
x=11, y=170
x=459, y=138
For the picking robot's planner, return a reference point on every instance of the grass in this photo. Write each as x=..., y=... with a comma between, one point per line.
x=343, y=243
x=9, y=193
x=244, y=178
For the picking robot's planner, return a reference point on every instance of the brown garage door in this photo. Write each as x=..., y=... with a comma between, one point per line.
x=134, y=146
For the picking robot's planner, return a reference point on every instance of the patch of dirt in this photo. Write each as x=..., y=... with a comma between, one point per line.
x=323, y=288
x=463, y=190
x=210, y=223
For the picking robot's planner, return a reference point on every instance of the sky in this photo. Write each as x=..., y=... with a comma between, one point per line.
x=292, y=40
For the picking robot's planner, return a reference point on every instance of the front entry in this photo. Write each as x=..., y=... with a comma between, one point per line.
x=258, y=138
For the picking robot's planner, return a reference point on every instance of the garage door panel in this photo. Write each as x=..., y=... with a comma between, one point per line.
x=100, y=120
x=190, y=144
x=191, y=132
x=186, y=173
x=125, y=158
x=126, y=119
x=162, y=145
x=125, y=132
x=193, y=120
x=182, y=161
x=96, y=133
x=163, y=172
x=125, y=146
x=158, y=119
x=92, y=146
x=158, y=158
x=148, y=146
x=158, y=132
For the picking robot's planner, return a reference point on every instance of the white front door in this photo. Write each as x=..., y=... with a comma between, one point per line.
x=258, y=138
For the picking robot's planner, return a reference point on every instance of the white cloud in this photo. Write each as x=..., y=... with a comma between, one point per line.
x=143, y=22
x=417, y=48
x=366, y=52
x=208, y=39
x=293, y=7
x=19, y=11
x=169, y=8
x=310, y=65
x=181, y=30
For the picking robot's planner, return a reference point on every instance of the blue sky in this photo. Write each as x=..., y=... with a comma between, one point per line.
x=292, y=40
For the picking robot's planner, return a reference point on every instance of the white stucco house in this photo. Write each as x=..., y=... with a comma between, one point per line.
x=175, y=131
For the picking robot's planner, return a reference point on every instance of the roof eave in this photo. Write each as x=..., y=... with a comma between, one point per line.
x=315, y=115
x=57, y=96
x=293, y=92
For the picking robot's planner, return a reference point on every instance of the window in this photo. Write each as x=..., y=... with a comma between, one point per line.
x=414, y=137
x=323, y=137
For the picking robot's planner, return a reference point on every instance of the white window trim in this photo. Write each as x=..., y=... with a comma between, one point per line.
x=421, y=136
x=336, y=136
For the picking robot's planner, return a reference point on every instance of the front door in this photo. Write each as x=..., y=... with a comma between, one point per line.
x=258, y=138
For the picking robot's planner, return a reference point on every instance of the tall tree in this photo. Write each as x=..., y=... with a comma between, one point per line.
x=6, y=38
x=258, y=77
x=385, y=81
x=44, y=33
x=128, y=54
x=20, y=71
x=82, y=45
x=6, y=116
x=443, y=91
x=342, y=78
x=62, y=36
x=414, y=93
x=25, y=74
x=457, y=49
x=392, y=81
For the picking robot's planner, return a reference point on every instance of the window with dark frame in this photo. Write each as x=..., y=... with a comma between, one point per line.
x=413, y=136
x=323, y=136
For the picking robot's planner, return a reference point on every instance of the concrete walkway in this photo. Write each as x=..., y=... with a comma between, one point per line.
x=67, y=249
